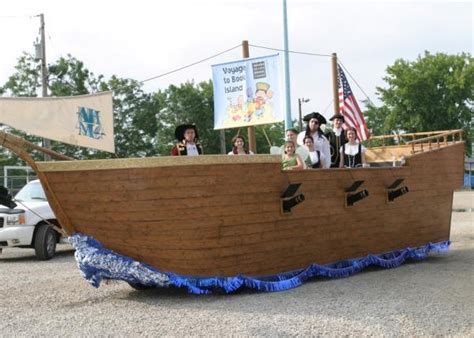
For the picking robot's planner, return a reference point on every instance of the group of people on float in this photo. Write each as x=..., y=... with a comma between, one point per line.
x=338, y=148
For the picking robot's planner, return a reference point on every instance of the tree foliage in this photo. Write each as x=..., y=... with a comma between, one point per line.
x=434, y=92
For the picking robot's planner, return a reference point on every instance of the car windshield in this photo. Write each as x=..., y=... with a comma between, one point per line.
x=30, y=192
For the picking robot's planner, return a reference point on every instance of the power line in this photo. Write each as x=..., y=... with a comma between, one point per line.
x=316, y=54
x=191, y=64
x=16, y=16
x=291, y=51
x=327, y=107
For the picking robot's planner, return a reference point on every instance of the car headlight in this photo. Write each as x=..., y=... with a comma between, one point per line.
x=16, y=219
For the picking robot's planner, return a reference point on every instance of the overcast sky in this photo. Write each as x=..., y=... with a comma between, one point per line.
x=141, y=39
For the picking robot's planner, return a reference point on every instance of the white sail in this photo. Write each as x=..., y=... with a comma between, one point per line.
x=85, y=120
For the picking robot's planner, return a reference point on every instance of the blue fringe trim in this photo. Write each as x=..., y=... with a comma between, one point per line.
x=97, y=263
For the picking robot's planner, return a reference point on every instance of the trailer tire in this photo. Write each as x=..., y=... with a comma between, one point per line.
x=45, y=242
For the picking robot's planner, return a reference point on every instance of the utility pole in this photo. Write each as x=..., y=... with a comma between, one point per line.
x=250, y=129
x=44, y=73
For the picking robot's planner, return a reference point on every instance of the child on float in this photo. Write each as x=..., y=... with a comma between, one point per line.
x=315, y=157
x=291, y=160
x=238, y=146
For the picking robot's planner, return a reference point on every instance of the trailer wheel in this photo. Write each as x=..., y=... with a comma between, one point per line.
x=45, y=242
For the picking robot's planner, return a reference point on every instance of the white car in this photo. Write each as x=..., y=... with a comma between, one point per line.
x=25, y=226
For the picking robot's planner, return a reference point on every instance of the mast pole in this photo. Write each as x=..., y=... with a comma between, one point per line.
x=250, y=129
x=335, y=89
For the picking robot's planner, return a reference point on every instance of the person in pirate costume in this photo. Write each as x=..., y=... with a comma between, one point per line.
x=188, y=141
x=352, y=153
x=314, y=121
x=337, y=138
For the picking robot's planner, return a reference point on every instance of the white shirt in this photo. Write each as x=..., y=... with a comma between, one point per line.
x=352, y=149
x=313, y=155
x=191, y=149
x=321, y=143
x=337, y=131
x=232, y=153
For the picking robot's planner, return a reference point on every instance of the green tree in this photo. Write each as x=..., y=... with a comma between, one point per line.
x=26, y=81
x=434, y=92
x=187, y=103
x=135, y=118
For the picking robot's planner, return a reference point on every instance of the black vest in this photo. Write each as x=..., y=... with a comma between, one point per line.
x=352, y=161
x=335, y=143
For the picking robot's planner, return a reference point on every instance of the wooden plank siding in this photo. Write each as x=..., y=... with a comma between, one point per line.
x=224, y=218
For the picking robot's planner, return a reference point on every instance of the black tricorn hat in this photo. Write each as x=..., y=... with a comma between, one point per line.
x=337, y=116
x=179, y=131
x=314, y=115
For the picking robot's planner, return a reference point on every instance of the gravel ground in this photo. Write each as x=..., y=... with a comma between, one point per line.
x=433, y=297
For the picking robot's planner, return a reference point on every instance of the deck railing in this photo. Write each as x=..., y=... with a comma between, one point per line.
x=421, y=140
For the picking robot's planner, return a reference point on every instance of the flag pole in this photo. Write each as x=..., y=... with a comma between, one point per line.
x=250, y=129
x=288, y=120
x=335, y=89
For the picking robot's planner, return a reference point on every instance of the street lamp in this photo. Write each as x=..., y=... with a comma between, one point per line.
x=301, y=101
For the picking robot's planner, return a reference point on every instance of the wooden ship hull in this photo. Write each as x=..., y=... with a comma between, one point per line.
x=225, y=215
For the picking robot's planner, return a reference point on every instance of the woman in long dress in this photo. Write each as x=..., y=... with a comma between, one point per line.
x=352, y=153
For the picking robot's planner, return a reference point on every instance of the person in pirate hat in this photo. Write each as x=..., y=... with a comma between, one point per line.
x=337, y=138
x=188, y=141
x=314, y=121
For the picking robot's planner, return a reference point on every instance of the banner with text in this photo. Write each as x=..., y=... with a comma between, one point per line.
x=247, y=92
x=85, y=120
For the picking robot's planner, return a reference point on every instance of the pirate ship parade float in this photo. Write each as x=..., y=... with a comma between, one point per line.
x=231, y=221
x=226, y=222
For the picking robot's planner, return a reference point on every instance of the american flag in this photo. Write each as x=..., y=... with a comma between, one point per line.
x=349, y=108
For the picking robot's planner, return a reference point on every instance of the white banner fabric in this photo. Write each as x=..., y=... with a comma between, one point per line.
x=85, y=120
